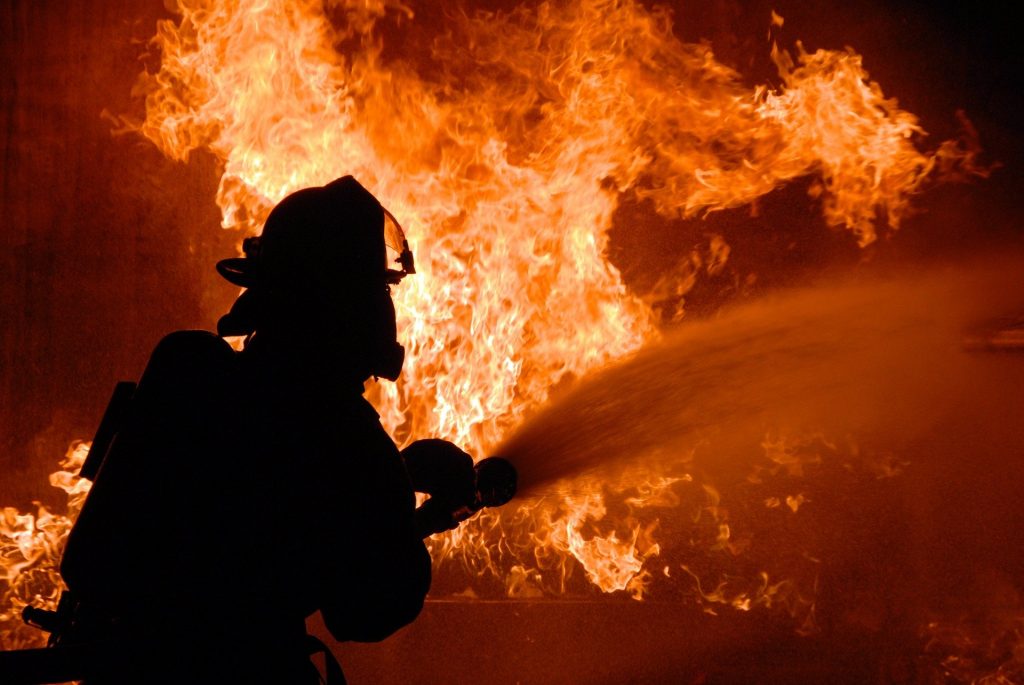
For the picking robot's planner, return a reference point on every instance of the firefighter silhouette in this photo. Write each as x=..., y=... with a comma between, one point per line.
x=244, y=491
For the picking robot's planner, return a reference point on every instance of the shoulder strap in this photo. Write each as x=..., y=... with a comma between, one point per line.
x=334, y=675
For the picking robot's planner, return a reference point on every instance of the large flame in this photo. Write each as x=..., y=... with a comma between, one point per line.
x=504, y=152
x=504, y=146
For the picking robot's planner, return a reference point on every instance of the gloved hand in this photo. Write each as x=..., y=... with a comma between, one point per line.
x=439, y=468
x=445, y=472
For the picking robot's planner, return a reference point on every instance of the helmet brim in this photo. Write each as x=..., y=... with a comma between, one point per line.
x=237, y=270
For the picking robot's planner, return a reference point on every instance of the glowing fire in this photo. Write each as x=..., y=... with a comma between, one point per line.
x=505, y=165
x=30, y=549
x=504, y=149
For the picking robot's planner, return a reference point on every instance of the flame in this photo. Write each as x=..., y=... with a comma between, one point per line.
x=506, y=163
x=504, y=148
x=30, y=549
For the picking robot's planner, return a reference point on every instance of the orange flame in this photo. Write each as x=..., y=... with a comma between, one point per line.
x=505, y=152
x=504, y=149
x=30, y=551
x=506, y=165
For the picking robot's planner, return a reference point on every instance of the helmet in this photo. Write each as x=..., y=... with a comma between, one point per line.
x=321, y=264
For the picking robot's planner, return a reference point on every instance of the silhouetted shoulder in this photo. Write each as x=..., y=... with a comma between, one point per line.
x=188, y=375
x=189, y=350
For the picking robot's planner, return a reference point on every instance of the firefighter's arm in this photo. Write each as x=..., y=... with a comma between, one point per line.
x=377, y=575
x=457, y=487
x=443, y=471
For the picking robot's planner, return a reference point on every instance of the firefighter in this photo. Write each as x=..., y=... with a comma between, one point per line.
x=247, y=490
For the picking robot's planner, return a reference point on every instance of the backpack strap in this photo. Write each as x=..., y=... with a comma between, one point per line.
x=332, y=669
